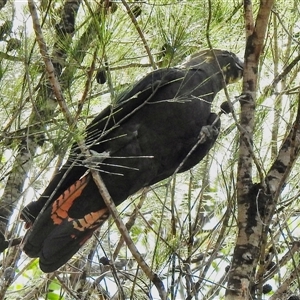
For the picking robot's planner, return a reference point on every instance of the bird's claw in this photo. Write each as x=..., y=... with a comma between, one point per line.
x=207, y=132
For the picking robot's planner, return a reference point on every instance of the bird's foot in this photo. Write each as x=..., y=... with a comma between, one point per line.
x=207, y=132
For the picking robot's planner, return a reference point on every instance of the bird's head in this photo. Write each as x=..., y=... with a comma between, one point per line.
x=213, y=61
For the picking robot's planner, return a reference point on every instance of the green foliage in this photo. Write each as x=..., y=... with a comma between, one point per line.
x=55, y=289
x=186, y=227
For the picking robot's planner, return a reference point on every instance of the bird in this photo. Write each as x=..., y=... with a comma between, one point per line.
x=152, y=131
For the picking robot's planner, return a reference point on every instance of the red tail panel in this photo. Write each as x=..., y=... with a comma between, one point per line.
x=61, y=206
x=56, y=235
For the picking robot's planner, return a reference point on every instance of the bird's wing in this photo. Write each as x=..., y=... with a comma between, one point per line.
x=109, y=119
x=128, y=103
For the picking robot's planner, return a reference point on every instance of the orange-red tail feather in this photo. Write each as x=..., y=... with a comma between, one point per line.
x=57, y=235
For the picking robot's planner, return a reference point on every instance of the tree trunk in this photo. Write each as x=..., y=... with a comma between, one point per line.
x=251, y=198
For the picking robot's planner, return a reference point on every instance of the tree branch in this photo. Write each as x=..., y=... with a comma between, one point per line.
x=251, y=198
x=102, y=189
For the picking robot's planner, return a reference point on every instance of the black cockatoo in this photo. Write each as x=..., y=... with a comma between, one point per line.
x=146, y=137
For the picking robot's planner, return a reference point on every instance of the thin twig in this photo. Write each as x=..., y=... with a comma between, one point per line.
x=122, y=228
x=88, y=84
x=135, y=23
x=130, y=222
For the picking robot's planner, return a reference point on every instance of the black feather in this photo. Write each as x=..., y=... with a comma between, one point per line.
x=146, y=137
